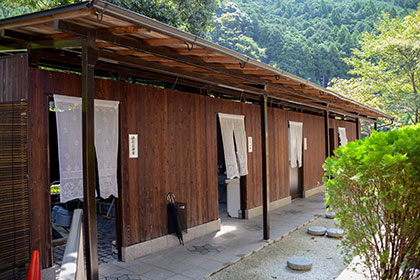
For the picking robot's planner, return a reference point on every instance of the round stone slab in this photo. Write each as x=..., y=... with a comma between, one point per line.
x=299, y=263
x=335, y=232
x=316, y=230
x=330, y=215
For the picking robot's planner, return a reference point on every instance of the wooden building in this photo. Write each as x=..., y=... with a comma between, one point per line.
x=170, y=85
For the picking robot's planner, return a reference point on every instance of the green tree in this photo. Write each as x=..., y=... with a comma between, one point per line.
x=231, y=25
x=335, y=17
x=373, y=185
x=387, y=66
x=194, y=16
x=323, y=9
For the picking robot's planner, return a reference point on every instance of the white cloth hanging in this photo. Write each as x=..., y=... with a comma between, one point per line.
x=233, y=132
x=295, y=146
x=106, y=146
x=69, y=135
x=343, y=136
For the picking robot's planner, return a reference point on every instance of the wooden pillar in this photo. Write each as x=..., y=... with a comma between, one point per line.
x=265, y=184
x=357, y=128
x=327, y=133
x=375, y=125
x=89, y=58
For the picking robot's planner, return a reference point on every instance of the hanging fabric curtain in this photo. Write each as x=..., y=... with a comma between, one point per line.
x=295, y=146
x=233, y=132
x=69, y=135
x=106, y=146
x=343, y=136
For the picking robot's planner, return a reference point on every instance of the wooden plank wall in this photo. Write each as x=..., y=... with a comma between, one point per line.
x=314, y=156
x=177, y=152
x=13, y=78
x=350, y=130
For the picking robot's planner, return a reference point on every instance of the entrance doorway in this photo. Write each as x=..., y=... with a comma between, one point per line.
x=106, y=213
x=295, y=159
x=332, y=141
x=232, y=188
x=295, y=182
x=221, y=175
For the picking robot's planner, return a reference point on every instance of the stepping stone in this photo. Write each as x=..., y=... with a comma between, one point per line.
x=299, y=263
x=335, y=232
x=330, y=215
x=316, y=230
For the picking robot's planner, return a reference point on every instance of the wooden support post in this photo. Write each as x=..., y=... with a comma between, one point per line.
x=357, y=128
x=327, y=133
x=265, y=183
x=89, y=58
x=375, y=125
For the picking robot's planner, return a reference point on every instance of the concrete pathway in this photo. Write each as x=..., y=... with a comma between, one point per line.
x=202, y=256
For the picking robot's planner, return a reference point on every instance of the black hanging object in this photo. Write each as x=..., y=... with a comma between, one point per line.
x=173, y=218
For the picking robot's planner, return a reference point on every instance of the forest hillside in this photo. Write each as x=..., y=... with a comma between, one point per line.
x=308, y=38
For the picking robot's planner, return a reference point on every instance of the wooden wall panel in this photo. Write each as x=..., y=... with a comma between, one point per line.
x=350, y=130
x=278, y=153
x=38, y=175
x=177, y=152
x=13, y=78
x=314, y=156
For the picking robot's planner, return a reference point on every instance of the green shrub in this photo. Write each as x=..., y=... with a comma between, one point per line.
x=55, y=189
x=374, y=188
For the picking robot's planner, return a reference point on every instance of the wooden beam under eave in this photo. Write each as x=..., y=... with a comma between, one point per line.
x=170, y=53
x=220, y=59
x=196, y=51
x=237, y=66
x=47, y=44
x=165, y=42
x=125, y=29
x=44, y=19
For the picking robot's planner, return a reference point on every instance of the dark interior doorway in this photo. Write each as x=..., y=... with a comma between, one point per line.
x=105, y=208
x=332, y=141
x=231, y=192
x=296, y=180
x=295, y=176
x=221, y=175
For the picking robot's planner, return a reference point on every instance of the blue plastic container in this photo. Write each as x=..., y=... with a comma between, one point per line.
x=63, y=218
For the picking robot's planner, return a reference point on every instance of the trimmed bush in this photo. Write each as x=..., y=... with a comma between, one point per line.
x=373, y=185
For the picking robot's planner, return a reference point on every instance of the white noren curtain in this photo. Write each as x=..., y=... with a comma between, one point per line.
x=106, y=146
x=295, y=134
x=343, y=136
x=233, y=132
x=69, y=135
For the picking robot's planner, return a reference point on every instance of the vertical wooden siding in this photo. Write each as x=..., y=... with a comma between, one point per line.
x=278, y=154
x=350, y=130
x=13, y=78
x=177, y=152
x=314, y=156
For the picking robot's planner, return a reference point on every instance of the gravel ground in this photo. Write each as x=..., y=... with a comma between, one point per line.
x=271, y=261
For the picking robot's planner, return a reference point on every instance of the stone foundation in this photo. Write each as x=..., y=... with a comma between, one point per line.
x=148, y=247
x=313, y=191
x=257, y=211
